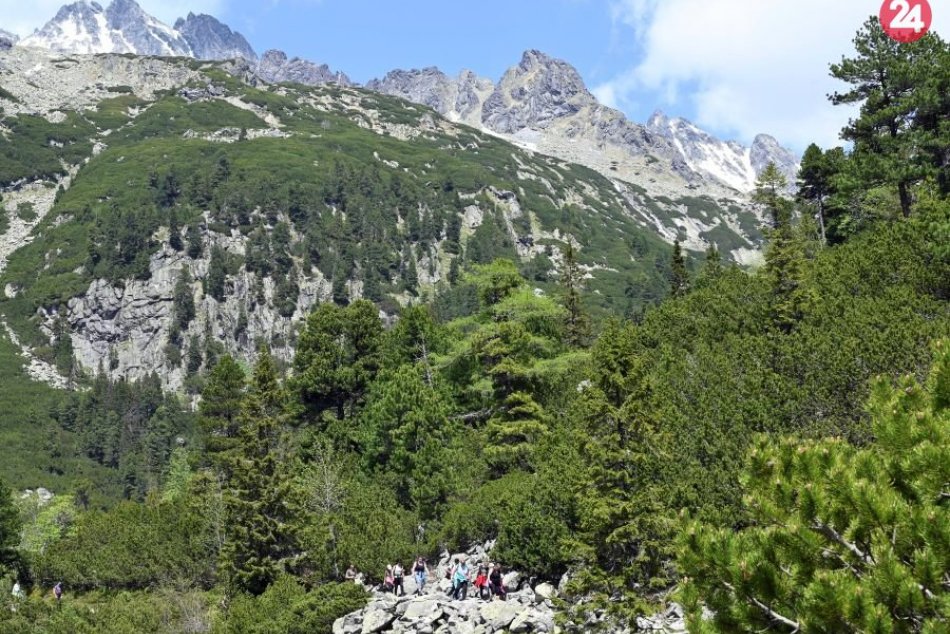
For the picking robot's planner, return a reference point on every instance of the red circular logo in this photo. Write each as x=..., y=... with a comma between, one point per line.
x=906, y=20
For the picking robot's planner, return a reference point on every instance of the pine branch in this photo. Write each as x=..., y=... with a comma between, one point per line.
x=772, y=614
x=480, y=415
x=836, y=537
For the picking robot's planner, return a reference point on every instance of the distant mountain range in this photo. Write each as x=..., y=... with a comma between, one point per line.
x=541, y=103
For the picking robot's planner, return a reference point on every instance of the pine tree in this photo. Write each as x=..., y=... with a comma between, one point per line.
x=217, y=274
x=220, y=408
x=174, y=231
x=889, y=81
x=260, y=543
x=9, y=530
x=63, y=344
x=712, y=267
x=769, y=192
x=195, y=243
x=406, y=431
x=513, y=435
x=679, y=274
x=576, y=323
x=840, y=539
x=183, y=301
x=338, y=355
x=411, y=274
x=814, y=183
x=624, y=527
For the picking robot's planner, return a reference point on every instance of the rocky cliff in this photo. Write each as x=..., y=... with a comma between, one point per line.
x=208, y=38
x=276, y=67
x=7, y=40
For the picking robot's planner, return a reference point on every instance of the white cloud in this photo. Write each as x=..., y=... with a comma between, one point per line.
x=745, y=67
x=23, y=16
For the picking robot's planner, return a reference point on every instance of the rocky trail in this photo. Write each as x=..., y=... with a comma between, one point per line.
x=529, y=607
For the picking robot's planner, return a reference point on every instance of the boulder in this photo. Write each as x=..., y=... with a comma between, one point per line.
x=498, y=615
x=427, y=608
x=376, y=620
x=349, y=624
x=512, y=580
x=532, y=620
x=544, y=592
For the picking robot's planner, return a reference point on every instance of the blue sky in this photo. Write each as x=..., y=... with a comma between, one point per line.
x=735, y=67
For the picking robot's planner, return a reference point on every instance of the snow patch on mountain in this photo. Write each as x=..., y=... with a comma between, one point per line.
x=727, y=162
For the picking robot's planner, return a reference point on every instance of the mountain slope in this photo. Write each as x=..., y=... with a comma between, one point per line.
x=250, y=205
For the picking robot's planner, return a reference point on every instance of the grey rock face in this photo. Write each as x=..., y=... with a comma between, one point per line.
x=211, y=39
x=144, y=34
x=766, y=149
x=456, y=98
x=275, y=67
x=534, y=93
x=429, y=87
x=85, y=27
x=727, y=162
x=7, y=39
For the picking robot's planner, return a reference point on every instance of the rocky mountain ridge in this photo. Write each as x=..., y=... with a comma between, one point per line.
x=543, y=104
x=85, y=27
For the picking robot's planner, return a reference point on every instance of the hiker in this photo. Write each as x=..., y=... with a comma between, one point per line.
x=496, y=583
x=398, y=576
x=450, y=575
x=421, y=571
x=351, y=574
x=481, y=582
x=58, y=591
x=388, y=581
x=461, y=578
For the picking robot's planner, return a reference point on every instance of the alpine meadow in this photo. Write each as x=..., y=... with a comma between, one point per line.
x=282, y=352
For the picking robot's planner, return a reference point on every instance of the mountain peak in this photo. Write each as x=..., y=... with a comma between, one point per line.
x=209, y=38
x=85, y=28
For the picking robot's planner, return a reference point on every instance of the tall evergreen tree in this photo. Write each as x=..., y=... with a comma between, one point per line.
x=679, y=274
x=407, y=433
x=195, y=243
x=816, y=181
x=769, y=192
x=260, y=544
x=220, y=408
x=217, y=274
x=9, y=530
x=338, y=355
x=885, y=79
x=514, y=433
x=183, y=301
x=576, y=323
x=174, y=231
x=624, y=527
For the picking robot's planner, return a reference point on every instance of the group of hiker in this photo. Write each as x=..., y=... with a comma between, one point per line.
x=488, y=582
